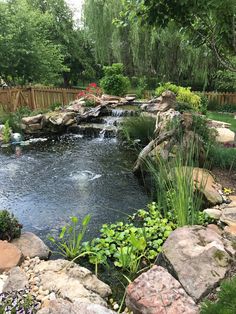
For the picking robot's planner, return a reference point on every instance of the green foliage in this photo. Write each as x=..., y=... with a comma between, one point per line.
x=55, y=106
x=228, y=118
x=226, y=303
x=174, y=186
x=114, y=82
x=9, y=226
x=127, y=245
x=183, y=95
x=142, y=86
x=213, y=105
x=69, y=241
x=222, y=157
x=6, y=132
x=225, y=81
x=18, y=302
x=138, y=130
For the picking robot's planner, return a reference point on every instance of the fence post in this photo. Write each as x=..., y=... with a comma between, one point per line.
x=32, y=98
x=64, y=97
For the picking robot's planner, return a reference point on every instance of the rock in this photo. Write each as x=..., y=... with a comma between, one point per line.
x=229, y=216
x=230, y=233
x=218, y=124
x=32, y=246
x=72, y=282
x=3, y=279
x=59, y=118
x=225, y=135
x=233, y=201
x=61, y=306
x=16, y=280
x=77, y=106
x=215, y=228
x=10, y=256
x=213, y=213
x=205, y=183
x=196, y=256
x=32, y=120
x=156, y=291
x=110, y=98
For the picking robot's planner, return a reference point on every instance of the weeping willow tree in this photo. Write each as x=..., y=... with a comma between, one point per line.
x=165, y=54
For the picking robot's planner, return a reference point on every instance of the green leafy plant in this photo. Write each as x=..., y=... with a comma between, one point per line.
x=69, y=242
x=139, y=130
x=226, y=300
x=183, y=95
x=6, y=132
x=141, y=87
x=18, y=302
x=126, y=245
x=55, y=106
x=114, y=82
x=9, y=226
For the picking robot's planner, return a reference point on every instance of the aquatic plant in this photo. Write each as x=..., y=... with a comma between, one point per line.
x=69, y=242
x=127, y=245
x=10, y=228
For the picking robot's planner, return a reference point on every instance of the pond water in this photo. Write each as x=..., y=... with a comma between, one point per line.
x=55, y=179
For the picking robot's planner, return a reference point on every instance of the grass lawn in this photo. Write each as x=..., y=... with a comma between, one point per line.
x=224, y=118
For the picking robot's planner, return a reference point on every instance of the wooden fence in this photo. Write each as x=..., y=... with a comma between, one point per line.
x=221, y=98
x=35, y=98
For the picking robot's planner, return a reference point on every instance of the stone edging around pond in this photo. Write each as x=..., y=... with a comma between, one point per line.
x=193, y=262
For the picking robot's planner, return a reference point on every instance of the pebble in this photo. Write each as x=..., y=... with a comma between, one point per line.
x=115, y=306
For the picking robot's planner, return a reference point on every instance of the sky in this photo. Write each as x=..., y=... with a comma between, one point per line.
x=76, y=5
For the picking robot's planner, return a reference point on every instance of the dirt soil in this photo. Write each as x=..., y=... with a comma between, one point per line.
x=225, y=178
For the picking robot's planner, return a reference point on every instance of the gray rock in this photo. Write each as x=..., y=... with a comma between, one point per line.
x=16, y=280
x=196, y=256
x=229, y=216
x=32, y=120
x=61, y=306
x=72, y=282
x=213, y=213
x=32, y=246
x=156, y=291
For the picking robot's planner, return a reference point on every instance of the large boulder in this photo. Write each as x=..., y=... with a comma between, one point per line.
x=166, y=101
x=229, y=216
x=10, y=256
x=197, y=257
x=61, y=306
x=71, y=282
x=205, y=182
x=156, y=291
x=31, y=246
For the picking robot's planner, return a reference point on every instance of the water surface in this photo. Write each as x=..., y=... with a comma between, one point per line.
x=54, y=180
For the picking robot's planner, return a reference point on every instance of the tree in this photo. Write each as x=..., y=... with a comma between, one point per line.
x=211, y=23
x=26, y=55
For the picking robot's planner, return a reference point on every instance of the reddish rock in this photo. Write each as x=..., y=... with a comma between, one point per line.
x=10, y=256
x=157, y=292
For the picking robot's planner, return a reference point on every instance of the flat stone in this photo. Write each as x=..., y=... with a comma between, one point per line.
x=196, y=256
x=16, y=280
x=230, y=232
x=213, y=213
x=233, y=201
x=157, y=292
x=10, y=256
x=31, y=246
x=229, y=216
x=224, y=135
x=32, y=120
x=72, y=282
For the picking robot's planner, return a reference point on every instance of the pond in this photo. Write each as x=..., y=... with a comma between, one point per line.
x=53, y=180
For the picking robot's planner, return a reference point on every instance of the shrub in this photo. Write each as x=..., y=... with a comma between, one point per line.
x=55, y=106
x=226, y=303
x=18, y=302
x=222, y=157
x=138, y=129
x=183, y=95
x=9, y=226
x=6, y=132
x=114, y=82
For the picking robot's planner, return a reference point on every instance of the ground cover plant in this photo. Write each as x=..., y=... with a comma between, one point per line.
x=226, y=300
x=18, y=302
